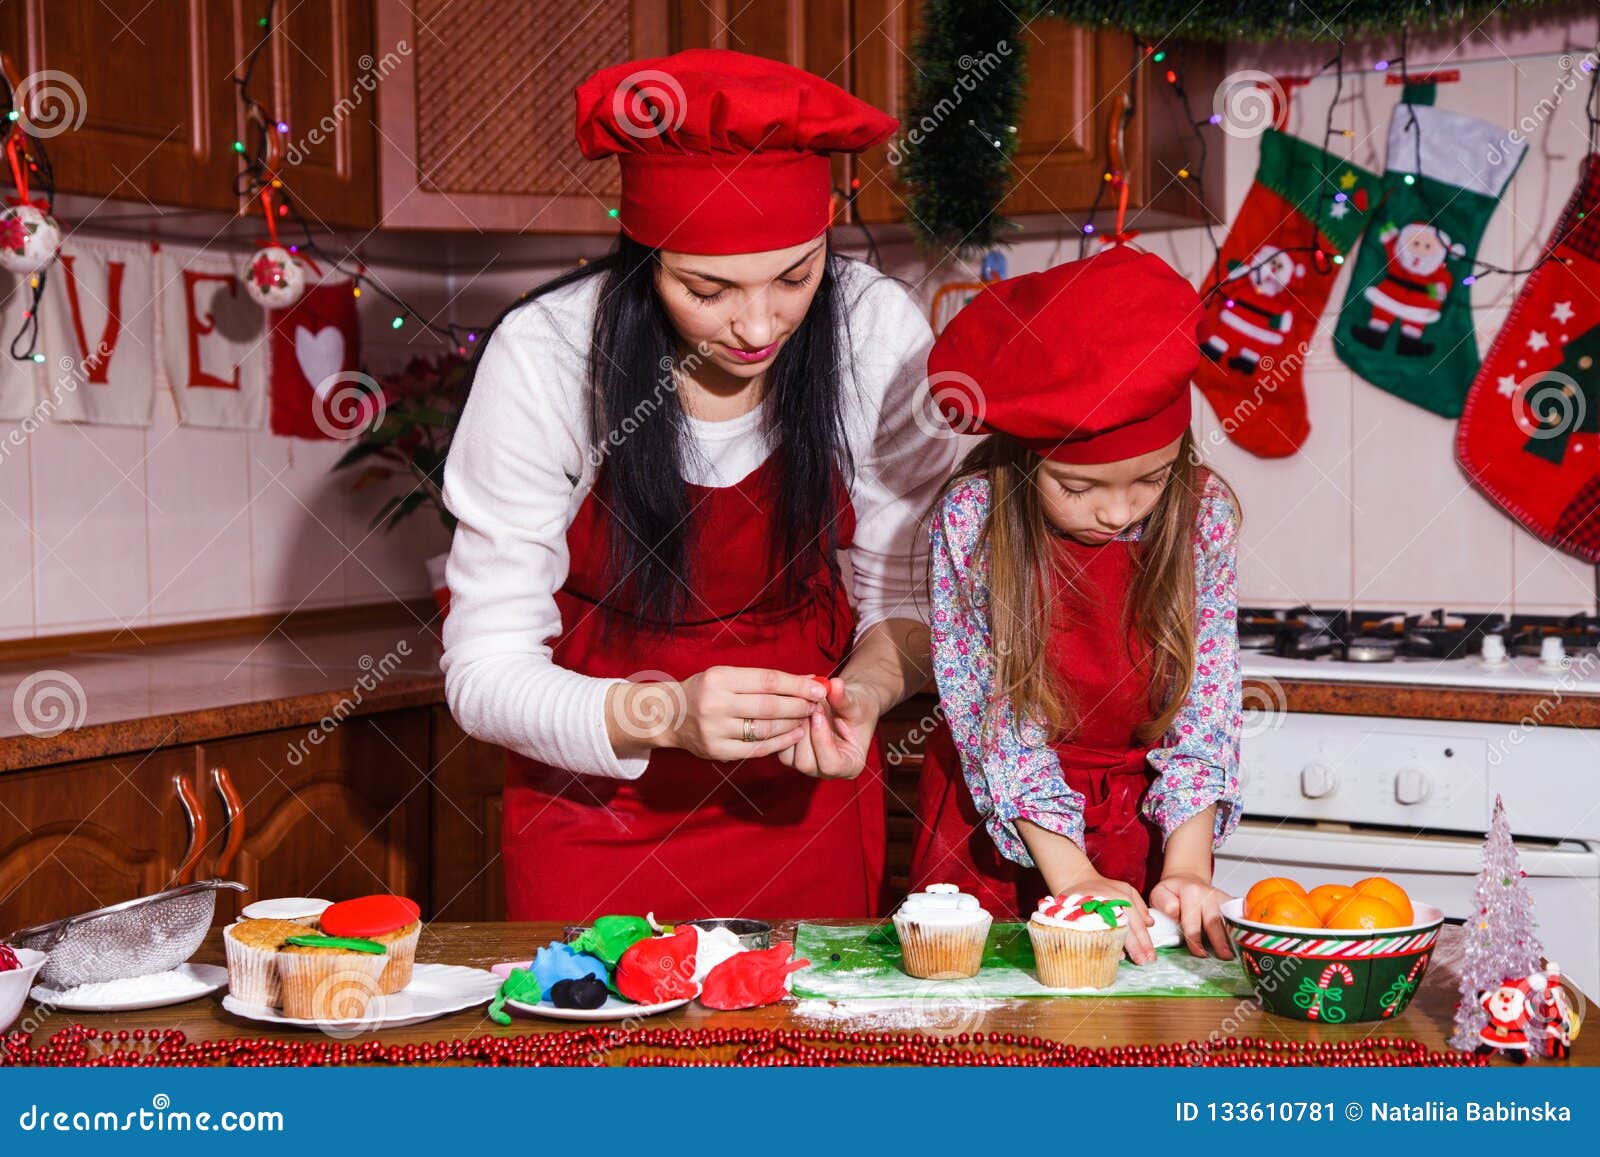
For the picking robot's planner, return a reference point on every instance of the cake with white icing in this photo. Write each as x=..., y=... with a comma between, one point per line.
x=1078, y=939
x=942, y=932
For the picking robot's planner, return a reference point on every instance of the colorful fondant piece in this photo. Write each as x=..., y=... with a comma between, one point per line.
x=584, y=992
x=659, y=969
x=714, y=946
x=611, y=936
x=369, y=916
x=559, y=962
x=8, y=959
x=521, y=987
x=751, y=979
x=347, y=943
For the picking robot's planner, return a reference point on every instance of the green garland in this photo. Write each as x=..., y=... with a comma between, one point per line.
x=957, y=139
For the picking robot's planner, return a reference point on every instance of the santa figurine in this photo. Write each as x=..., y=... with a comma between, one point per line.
x=1511, y=1013
x=1413, y=289
x=1254, y=309
x=1558, y=1019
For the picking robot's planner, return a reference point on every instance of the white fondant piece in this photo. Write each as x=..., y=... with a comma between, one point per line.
x=714, y=946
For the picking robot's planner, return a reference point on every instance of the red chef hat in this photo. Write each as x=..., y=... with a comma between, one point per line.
x=722, y=152
x=1085, y=362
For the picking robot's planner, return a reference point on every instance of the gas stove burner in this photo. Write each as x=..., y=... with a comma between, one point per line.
x=1369, y=649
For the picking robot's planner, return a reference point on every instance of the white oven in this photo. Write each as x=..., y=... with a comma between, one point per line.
x=1333, y=798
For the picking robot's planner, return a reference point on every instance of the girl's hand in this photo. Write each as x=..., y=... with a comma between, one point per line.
x=723, y=713
x=1140, y=948
x=837, y=734
x=1195, y=905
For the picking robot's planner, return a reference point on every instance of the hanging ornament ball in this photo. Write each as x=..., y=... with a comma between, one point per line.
x=29, y=238
x=275, y=278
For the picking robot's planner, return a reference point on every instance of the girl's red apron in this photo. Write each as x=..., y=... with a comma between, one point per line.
x=691, y=837
x=1106, y=667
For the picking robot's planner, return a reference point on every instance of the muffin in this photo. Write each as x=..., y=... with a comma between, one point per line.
x=331, y=978
x=1077, y=939
x=392, y=921
x=942, y=933
x=252, y=948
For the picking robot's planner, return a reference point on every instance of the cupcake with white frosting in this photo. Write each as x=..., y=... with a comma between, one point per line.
x=942, y=933
x=1078, y=938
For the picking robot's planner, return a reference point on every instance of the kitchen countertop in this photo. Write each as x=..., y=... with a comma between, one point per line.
x=145, y=697
x=1083, y=1021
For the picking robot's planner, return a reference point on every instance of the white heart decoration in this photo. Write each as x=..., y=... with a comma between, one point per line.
x=320, y=354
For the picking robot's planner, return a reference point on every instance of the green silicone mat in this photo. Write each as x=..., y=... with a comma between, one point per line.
x=869, y=967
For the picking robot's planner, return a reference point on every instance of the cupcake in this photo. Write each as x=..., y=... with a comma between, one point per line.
x=392, y=921
x=942, y=932
x=1077, y=940
x=331, y=978
x=252, y=948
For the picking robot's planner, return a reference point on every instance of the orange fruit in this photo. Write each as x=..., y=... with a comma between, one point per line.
x=1362, y=912
x=1324, y=896
x=1285, y=908
x=1263, y=888
x=1390, y=893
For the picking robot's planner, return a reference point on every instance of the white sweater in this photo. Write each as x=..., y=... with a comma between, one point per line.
x=520, y=466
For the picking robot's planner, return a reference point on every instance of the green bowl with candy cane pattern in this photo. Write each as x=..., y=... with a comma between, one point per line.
x=1334, y=975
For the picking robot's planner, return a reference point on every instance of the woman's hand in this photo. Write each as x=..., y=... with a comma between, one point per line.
x=1195, y=904
x=838, y=732
x=723, y=713
x=1140, y=948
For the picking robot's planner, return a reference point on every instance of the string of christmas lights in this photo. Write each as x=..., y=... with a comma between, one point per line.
x=35, y=186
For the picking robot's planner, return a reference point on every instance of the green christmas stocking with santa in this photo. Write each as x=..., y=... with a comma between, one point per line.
x=1528, y=435
x=1406, y=325
x=1268, y=289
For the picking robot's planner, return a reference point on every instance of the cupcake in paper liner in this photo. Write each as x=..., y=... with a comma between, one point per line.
x=252, y=948
x=1077, y=939
x=942, y=932
x=332, y=978
x=392, y=921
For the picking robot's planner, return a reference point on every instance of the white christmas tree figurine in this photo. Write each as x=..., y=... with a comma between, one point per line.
x=1500, y=943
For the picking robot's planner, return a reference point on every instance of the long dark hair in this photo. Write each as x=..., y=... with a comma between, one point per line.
x=638, y=430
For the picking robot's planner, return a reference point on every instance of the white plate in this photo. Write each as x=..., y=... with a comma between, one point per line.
x=435, y=990
x=207, y=978
x=612, y=1009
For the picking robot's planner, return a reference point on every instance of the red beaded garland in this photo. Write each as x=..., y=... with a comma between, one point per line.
x=77, y=1046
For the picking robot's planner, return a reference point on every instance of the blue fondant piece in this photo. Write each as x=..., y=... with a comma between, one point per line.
x=559, y=962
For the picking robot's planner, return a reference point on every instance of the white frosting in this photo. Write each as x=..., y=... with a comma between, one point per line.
x=1164, y=933
x=942, y=904
x=1092, y=922
x=713, y=947
x=288, y=908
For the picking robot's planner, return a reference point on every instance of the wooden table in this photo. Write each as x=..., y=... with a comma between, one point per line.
x=1084, y=1021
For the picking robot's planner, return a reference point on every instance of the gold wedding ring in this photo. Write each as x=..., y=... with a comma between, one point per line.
x=750, y=731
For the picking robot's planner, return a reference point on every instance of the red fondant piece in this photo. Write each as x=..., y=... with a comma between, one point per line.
x=659, y=969
x=8, y=959
x=369, y=916
x=750, y=979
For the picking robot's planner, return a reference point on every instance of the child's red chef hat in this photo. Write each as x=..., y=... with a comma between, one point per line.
x=722, y=152
x=1085, y=362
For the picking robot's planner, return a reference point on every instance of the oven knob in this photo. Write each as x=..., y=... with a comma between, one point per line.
x=1317, y=780
x=1412, y=785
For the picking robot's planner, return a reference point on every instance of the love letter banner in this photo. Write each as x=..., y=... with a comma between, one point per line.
x=213, y=340
x=98, y=325
x=314, y=349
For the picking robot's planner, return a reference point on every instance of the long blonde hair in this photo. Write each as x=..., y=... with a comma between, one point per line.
x=1024, y=584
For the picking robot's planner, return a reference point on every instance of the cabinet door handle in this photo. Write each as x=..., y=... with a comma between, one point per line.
x=235, y=809
x=190, y=799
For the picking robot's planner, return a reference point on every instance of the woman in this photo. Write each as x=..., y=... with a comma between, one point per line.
x=664, y=457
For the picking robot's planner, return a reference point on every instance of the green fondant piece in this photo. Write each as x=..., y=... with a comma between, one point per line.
x=350, y=943
x=611, y=936
x=520, y=986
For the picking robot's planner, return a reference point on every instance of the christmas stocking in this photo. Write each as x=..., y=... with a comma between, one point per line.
x=1406, y=325
x=1267, y=290
x=1527, y=434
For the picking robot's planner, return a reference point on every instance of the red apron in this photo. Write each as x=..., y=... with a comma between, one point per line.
x=1106, y=668
x=691, y=837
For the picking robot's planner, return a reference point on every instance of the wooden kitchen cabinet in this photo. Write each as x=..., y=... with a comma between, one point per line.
x=150, y=84
x=81, y=836
x=343, y=817
x=468, y=783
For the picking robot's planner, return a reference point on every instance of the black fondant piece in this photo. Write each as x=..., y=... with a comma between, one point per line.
x=584, y=992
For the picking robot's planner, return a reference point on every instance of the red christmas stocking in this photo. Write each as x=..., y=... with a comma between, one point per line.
x=1267, y=290
x=1528, y=431
x=313, y=352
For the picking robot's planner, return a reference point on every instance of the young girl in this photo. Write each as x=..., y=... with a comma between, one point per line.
x=1083, y=611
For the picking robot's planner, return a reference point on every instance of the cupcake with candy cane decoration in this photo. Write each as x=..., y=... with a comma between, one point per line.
x=942, y=932
x=1078, y=939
